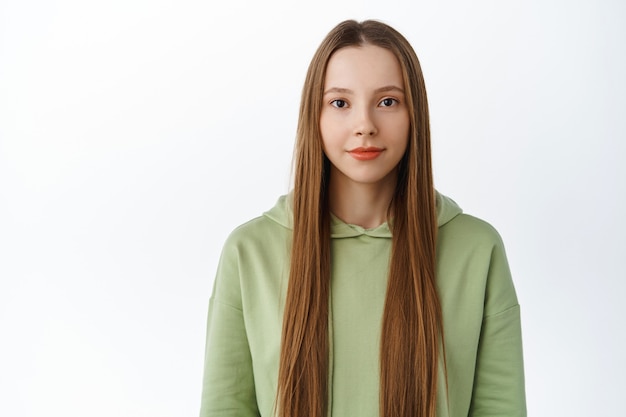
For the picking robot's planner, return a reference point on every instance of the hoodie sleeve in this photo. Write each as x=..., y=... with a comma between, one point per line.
x=228, y=385
x=499, y=376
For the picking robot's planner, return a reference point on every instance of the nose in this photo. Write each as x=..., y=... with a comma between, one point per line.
x=364, y=124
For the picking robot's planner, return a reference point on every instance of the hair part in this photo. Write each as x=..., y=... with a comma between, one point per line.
x=412, y=319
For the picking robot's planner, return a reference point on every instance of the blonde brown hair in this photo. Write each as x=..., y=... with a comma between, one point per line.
x=412, y=322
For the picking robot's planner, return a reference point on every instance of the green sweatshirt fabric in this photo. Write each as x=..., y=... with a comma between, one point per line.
x=481, y=318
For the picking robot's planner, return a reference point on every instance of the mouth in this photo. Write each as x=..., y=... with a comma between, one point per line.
x=365, y=153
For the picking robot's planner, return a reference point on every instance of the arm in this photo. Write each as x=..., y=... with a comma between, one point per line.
x=228, y=387
x=499, y=378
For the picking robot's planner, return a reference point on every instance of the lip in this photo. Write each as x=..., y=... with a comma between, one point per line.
x=365, y=153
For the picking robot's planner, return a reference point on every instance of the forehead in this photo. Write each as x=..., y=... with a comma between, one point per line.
x=363, y=66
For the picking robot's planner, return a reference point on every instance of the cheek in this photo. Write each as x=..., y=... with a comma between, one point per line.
x=399, y=130
x=328, y=130
x=323, y=125
x=405, y=129
x=402, y=134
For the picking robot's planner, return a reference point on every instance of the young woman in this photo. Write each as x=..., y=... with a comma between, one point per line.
x=363, y=292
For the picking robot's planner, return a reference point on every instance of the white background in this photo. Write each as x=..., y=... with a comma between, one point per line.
x=135, y=135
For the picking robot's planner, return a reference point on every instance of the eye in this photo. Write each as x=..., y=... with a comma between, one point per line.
x=340, y=104
x=388, y=102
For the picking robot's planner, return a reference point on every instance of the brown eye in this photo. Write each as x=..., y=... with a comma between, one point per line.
x=340, y=104
x=388, y=102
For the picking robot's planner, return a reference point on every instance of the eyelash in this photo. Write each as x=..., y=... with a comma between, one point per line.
x=393, y=101
x=335, y=102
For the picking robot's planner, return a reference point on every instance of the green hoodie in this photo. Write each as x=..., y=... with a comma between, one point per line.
x=481, y=318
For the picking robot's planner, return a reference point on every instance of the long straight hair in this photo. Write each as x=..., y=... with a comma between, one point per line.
x=412, y=320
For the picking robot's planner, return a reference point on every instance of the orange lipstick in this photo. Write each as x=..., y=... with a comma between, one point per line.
x=365, y=153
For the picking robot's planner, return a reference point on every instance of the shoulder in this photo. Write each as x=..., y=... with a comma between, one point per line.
x=470, y=252
x=250, y=229
x=469, y=230
x=467, y=240
x=253, y=255
x=262, y=238
x=454, y=223
x=259, y=232
x=275, y=223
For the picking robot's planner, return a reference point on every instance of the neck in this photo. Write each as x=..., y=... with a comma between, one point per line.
x=365, y=205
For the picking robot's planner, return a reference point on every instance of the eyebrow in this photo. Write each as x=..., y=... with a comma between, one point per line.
x=378, y=90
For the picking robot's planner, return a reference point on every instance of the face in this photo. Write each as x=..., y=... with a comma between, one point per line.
x=364, y=119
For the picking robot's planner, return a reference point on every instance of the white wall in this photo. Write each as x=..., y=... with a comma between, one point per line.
x=134, y=135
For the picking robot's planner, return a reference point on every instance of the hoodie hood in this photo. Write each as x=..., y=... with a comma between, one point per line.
x=447, y=208
x=282, y=214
